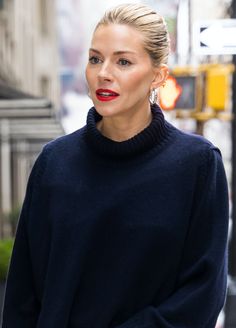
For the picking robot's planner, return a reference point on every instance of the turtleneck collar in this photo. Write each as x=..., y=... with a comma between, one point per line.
x=153, y=135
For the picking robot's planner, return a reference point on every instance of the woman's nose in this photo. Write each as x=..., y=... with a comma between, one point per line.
x=105, y=72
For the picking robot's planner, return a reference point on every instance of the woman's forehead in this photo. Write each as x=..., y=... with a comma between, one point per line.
x=117, y=38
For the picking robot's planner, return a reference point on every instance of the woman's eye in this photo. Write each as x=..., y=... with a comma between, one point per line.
x=94, y=60
x=124, y=62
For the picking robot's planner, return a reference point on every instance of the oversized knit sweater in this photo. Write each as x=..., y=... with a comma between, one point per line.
x=128, y=234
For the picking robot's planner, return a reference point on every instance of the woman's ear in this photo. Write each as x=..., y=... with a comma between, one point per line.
x=161, y=73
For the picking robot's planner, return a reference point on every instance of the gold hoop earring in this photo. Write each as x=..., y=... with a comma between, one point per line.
x=153, y=97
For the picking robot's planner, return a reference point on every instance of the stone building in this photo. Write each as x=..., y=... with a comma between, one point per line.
x=29, y=95
x=28, y=46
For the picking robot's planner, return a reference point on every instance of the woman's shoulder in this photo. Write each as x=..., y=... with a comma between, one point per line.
x=71, y=139
x=61, y=149
x=191, y=150
x=65, y=144
x=58, y=154
x=190, y=142
x=194, y=153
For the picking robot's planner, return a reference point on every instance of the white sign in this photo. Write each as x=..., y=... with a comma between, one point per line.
x=215, y=37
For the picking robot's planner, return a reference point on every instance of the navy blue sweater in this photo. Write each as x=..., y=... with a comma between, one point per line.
x=128, y=234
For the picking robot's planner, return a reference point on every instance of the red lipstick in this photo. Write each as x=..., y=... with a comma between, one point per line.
x=106, y=94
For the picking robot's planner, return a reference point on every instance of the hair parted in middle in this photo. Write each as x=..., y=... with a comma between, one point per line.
x=149, y=23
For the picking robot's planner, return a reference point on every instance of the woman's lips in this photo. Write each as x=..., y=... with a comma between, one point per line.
x=106, y=94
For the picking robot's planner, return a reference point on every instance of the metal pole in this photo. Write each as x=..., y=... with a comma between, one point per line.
x=5, y=169
x=230, y=313
x=189, y=32
x=183, y=32
x=232, y=254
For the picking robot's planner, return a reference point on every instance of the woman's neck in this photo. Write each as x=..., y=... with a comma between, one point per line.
x=124, y=127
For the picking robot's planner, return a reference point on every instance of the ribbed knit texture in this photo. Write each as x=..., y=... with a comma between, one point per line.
x=128, y=234
x=155, y=134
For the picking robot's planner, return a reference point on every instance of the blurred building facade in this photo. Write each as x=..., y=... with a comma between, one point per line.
x=28, y=47
x=29, y=97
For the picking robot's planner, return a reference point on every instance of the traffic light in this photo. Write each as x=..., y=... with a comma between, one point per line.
x=170, y=94
x=201, y=91
x=218, y=81
x=181, y=91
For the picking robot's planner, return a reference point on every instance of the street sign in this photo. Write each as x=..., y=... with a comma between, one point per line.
x=215, y=37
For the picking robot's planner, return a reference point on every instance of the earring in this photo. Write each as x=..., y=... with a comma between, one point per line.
x=153, y=97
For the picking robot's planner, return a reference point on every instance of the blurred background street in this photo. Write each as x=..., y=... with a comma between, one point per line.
x=43, y=92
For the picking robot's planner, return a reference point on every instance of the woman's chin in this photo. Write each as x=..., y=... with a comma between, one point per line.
x=106, y=110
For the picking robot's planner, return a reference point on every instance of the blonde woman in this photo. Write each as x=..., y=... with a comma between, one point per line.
x=125, y=221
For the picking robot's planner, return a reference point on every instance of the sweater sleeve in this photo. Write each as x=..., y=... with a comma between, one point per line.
x=21, y=307
x=201, y=286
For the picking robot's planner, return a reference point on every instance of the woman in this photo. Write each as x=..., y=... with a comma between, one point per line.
x=125, y=221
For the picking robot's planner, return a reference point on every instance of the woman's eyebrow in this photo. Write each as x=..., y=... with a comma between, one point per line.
x=94, y=50
x=120, y=52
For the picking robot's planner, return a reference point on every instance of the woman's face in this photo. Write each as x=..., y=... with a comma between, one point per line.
x=120, y=73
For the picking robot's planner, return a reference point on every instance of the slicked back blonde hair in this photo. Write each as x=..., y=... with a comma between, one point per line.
x=146, y=21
